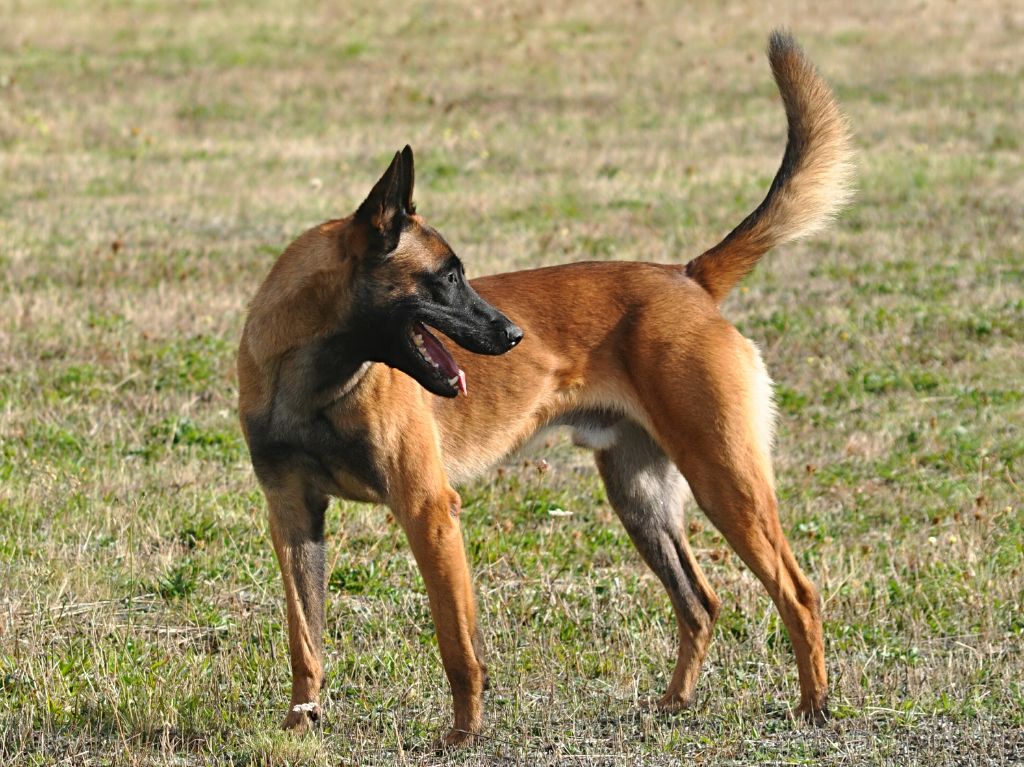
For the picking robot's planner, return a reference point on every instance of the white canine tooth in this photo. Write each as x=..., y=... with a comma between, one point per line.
x=453, y=380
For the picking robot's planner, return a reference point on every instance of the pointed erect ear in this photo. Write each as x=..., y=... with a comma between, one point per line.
x=388, y=203
x=409, y=179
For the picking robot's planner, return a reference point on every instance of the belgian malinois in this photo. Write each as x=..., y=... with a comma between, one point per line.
x=345, y=391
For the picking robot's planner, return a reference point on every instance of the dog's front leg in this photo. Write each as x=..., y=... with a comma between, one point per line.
x=435, y=536
x=296, y=527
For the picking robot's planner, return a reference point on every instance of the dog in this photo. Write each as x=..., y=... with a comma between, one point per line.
x=346, y=391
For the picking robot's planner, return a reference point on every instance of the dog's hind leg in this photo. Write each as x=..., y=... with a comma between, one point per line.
x=715, y=421
x=646, y=491
x=297, y=530
x=740, y=501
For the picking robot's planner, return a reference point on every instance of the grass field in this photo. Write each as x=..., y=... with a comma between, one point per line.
x=154, y=159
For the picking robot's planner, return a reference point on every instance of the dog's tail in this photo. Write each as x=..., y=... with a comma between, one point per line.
x=811, y=186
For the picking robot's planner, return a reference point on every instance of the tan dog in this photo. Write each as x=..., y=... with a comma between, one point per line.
x=338, y=372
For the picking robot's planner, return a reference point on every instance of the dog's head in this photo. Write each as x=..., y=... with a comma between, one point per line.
x=408, y=280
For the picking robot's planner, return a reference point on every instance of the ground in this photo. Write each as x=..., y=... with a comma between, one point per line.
x=154, y=159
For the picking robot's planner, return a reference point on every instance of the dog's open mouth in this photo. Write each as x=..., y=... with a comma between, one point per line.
x=433, y=351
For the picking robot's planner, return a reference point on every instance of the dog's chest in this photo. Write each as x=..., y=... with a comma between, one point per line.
x=350, y=463
x=340, y=462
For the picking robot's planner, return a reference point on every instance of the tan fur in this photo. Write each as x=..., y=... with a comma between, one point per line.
x=641, y=347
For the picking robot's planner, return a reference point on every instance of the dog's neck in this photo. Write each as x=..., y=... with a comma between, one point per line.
x=349, y=385
x=339, y=364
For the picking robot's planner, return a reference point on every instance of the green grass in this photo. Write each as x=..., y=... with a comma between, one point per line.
x=156, y=157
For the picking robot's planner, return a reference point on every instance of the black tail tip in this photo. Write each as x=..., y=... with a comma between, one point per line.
x=781, y=42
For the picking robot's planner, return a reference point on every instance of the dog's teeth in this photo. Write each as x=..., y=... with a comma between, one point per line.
x=418, y=340
x=453, y=380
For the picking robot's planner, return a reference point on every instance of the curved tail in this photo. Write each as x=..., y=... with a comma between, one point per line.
x=811, y=186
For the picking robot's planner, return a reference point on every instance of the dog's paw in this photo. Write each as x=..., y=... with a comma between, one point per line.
x=669, y=703
x=302, y=717
x=816, y=714
x=455, y=739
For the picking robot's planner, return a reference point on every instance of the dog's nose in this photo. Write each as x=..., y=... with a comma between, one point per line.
x=514, y=334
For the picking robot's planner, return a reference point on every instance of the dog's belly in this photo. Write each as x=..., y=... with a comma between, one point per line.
x=591, y=428
x=589, y=436
x=595, y=438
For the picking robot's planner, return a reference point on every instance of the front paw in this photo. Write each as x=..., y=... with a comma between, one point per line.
x=456, y=739
x=816, y=714
x=302, y=717
x=671, y=703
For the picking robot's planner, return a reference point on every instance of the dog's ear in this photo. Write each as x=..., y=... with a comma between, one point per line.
x=408, y=180
x=385, y=208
